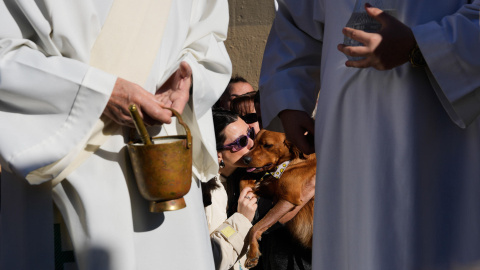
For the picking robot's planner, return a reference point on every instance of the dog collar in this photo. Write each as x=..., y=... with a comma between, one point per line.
x=280, y=169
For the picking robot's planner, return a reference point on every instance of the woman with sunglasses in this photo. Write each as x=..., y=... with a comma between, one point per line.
x=228, y=232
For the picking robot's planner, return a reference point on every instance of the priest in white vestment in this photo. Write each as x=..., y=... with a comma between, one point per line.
x=398, y=147
x=56, y=82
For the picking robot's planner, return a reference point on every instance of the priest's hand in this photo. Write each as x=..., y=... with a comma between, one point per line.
x=173, y=93
x=299, y=129
x=387, y=49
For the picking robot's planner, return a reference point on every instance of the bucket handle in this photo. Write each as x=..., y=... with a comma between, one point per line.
x=143, y=131
x=187, y=130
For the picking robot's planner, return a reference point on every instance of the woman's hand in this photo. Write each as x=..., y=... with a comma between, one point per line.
x=247, y=203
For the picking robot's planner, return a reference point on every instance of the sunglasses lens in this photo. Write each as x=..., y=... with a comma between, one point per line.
x=241, y=143
x=250, y=118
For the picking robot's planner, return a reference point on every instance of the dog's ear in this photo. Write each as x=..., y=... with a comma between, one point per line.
x=294, y=151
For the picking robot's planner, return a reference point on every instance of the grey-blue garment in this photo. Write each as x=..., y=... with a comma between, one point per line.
x=398, y=151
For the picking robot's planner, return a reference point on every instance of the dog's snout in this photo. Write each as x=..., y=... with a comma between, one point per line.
x=247, y=160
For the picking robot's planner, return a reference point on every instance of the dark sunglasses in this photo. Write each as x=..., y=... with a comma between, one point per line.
x=240, y=142
x=249, y=118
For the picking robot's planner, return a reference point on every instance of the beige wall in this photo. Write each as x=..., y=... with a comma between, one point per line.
x=250, y=22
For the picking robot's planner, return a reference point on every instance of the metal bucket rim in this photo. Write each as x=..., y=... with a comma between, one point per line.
x=180, y=137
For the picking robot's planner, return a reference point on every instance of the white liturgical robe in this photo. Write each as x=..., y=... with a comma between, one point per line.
x=398, y=151
x=51, y=99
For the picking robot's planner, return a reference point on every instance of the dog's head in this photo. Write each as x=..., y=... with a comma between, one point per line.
x=270, y=149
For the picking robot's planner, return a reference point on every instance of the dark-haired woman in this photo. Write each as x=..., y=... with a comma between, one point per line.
x=279, y=250
x=234, y=139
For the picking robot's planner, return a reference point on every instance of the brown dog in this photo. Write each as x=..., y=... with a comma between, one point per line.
x=292, y=193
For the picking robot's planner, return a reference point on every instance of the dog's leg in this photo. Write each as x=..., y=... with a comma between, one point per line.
x=281, y=208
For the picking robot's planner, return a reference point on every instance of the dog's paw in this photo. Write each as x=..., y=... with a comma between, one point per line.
x=250, y=263
x=252, y=258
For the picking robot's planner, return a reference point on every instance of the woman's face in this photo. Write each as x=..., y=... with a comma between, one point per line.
x=232, y=132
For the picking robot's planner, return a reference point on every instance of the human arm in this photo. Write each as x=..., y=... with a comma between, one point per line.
x=228, y=241
x=449, y=45
x=308, y=192
x=290, y=75
x=450, y=48
x=49, y=102
x=52, y=95
x=227, y=234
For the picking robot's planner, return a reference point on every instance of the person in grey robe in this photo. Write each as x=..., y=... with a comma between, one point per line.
x=396, y=133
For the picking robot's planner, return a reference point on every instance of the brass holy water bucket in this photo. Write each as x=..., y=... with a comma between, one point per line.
x=162, y=166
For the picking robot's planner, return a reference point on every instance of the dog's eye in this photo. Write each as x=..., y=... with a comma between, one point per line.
x=266, y=146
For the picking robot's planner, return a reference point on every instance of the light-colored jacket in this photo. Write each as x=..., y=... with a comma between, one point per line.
x=228, y=235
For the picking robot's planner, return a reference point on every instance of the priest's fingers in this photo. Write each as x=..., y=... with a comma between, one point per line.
x=180, y=99
x=126, y=93
x=175, y=92
x=175, y=99
x=154, y=114
x=185, y=71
